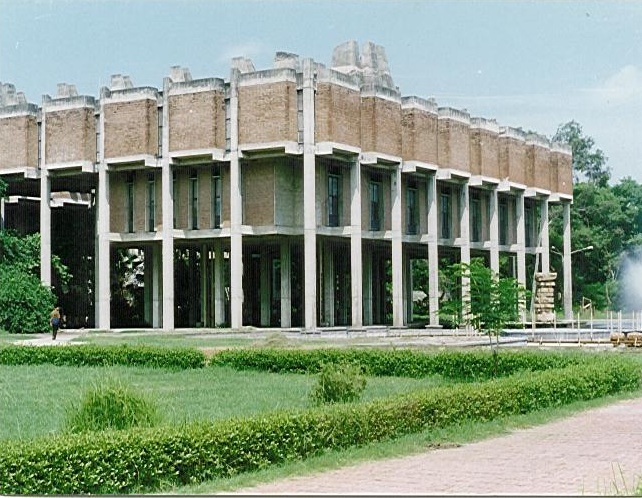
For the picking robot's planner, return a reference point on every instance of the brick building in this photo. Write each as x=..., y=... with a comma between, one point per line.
x=298, y=196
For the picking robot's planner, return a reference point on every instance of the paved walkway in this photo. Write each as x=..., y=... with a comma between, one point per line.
x=596, y=452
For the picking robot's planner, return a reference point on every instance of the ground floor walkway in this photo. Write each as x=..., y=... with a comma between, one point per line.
x=596, y=452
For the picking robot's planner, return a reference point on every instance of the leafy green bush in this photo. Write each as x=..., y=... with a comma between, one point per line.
x=24, y=302
x=338, y=384
x=179, y=358
x=142, y=459
x=111, y=405
x=455, y=364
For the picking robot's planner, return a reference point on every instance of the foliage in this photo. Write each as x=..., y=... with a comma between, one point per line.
x=143, y=459
x=453, y=364
x=588, y=162
x=178, y=358
x=338, y=384
x=480, y=298
x=111, y=405
x=24, y=302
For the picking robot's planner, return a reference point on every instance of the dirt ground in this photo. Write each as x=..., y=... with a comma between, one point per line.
x=596, y=452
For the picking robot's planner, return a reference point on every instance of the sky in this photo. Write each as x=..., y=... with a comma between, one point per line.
x=529, y=64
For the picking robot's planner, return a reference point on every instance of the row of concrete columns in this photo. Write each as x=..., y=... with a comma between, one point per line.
x=165, y=259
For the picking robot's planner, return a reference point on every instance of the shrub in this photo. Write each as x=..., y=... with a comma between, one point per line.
x=24, y=302
x=112, y=405
x=338, y=384
x=179, y=358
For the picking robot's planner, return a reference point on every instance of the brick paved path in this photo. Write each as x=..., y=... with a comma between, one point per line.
x=589, y=453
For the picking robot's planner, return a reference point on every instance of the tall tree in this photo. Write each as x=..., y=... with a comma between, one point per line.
x=589, y=163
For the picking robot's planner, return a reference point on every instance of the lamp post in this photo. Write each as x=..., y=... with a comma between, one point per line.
x=566, y=264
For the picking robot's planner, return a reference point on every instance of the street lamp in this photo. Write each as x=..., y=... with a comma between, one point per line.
x=555, y=251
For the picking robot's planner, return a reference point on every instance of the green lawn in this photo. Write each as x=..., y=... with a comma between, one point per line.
x=35, y=397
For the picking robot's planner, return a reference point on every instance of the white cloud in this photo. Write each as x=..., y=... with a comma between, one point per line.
x=623, y=87
x=248, y=49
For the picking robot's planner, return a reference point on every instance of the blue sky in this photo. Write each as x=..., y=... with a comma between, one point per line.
x=529, y=64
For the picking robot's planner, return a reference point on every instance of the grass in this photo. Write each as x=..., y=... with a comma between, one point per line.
x=35, y=398
x=407, y=445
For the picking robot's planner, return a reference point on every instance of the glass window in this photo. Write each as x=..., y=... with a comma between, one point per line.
x=475, y=217
x=216, y=197
x=412, y=215
x=333, y=199
x=151, y=202
x=129, y=203
x=160, y=132
x=175, y=195
x=445, y=212
x=376, y=205
x=193, y=199
x=503, y=221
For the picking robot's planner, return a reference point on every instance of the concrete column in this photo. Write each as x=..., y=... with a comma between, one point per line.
x=494, y=230
x=328, y=284
x=264, y=284
x=236, y=210
x=397, y=250
x=286, y=284
x=521, y=238
x=433, y=251
x=205, y=285
x=544, y=235
x=148, y=284
x=568, y=282
x=356, y=271
x=2, y=213
x=309, y=198
x=367, y=287
x=167, y=199
x=408, y=288
x=45, y=227
x=102, y=305
x=157, y=289
x=464, y=231
x=219, y=285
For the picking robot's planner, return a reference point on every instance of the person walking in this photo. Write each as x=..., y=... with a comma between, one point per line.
x=54, y=320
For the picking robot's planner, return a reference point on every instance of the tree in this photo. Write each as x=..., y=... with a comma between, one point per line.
x=480, y=298
x=588, y=162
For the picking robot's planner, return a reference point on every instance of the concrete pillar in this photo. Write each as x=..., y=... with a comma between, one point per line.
x=2, y=212
x=397, y=250
x=356, y=271
x=544, y=236
x=464, y=228
x=219, y=285
x=236, y=210
x=521, y=238
x=264, y=285
x=102, y=304
x=157, y=289
x=286, y=284
x=148, y=284
x=494, y=230
x=433, y=251
x=167, y=199
x=309, y=198
x=45, y=227
x=328, y=284
x=205, y=285
x=408, y=288
x=568, y=282
x=367, y=287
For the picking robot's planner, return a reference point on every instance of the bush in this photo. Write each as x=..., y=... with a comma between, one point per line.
x=338, y=384
x=143, y=459
x=89, y=355
x=24, y=302
x=112, y=405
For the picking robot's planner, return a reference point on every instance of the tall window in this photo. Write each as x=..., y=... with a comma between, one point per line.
x=97, y=125
x=445, y=211
x=376, y=204
x=228, y=125
x=216, y=197
x=475, y=217
x=412, y=211
x=503, y=221
x=160, y=132
x=334, y=193
x=129, y=203
x=151, y=202
x=529, y=224
x=193, y=199
x=175, y=196
x=299, y=115
x=40, y=151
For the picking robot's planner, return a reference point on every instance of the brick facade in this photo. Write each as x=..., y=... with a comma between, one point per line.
x=268, y=113
x=18, y=142
x=197, y=121
x=131, y=128
x=70, y=135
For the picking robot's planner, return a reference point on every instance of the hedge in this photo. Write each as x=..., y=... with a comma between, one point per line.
x=146, y=459
x=453, y=364
x=179, y=358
